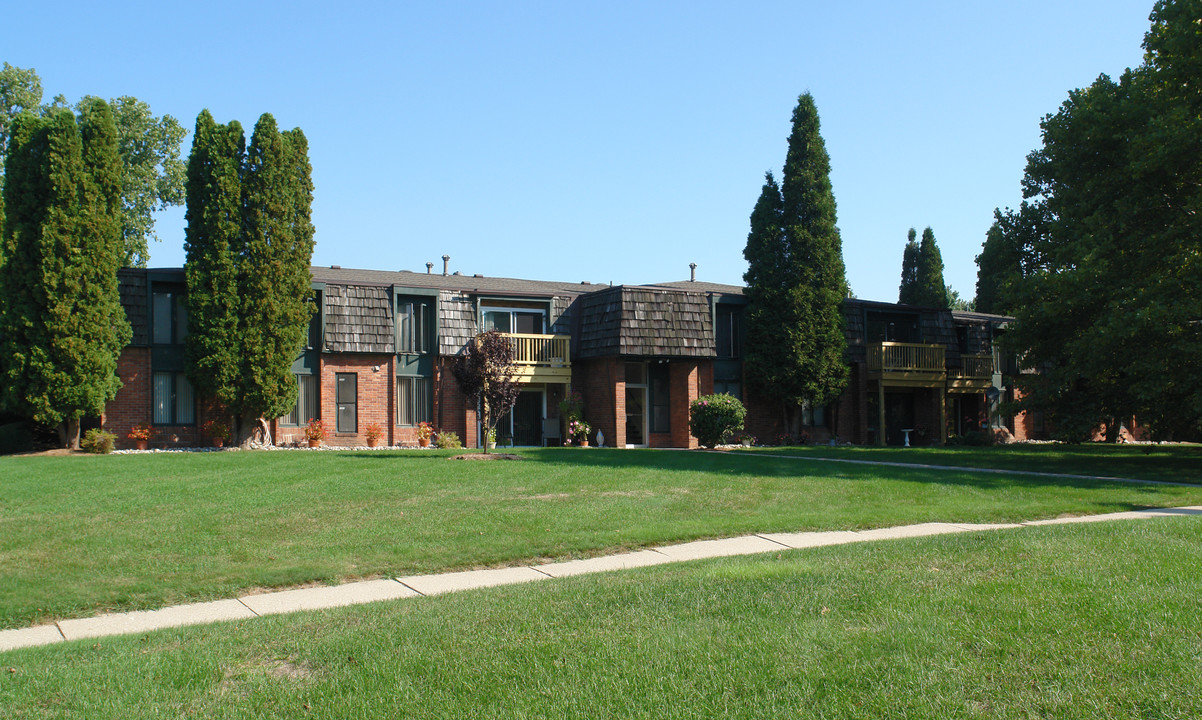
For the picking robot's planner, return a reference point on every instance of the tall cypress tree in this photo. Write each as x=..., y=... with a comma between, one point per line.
x=931, y=290
x=250, y=241
x=909, y=275
x=767, y=278
x=213, y=247
x=807, y=364
x=61, y=325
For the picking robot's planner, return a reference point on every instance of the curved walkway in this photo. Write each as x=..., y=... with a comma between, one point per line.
x=355, y=593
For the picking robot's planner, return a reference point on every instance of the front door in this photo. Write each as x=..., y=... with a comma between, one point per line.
x=636, y=415
x=899, y=415
x=523, y=425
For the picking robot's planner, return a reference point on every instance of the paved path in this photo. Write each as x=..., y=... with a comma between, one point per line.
x=316, y=598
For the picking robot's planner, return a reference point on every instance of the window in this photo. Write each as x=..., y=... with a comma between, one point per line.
x=734, y=388
x=728, y=333
x=174, y=401
x=414, y=325
x=347, y=399
x=510, y=320
x=305, y=408
x=413, y=400
x=169, y=317
x=813, y=416
x=660, y=408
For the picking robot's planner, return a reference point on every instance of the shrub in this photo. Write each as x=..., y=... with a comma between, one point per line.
x=98, y=441
x=447, y=440
x=712, y=417
x=15, y=437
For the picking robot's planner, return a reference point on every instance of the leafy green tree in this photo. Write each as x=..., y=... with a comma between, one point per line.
x=907, y=291
x=1109, y=304
x=149, y=147
x=250, y=242
x=19, y=90
x=153, y=177
x=795, y=297
x=213, y=247
x=62, y=327
x=1000, y=264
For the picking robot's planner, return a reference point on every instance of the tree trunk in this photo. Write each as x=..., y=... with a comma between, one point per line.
x=68, y=433
x=484, y=426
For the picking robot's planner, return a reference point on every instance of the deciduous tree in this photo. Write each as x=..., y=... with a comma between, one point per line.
x=487, y=375
x=1110, y=304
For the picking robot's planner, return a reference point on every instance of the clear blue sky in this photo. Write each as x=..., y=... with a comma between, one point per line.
x=614, y=141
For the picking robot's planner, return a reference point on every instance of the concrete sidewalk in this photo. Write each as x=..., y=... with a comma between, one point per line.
x=316, y=598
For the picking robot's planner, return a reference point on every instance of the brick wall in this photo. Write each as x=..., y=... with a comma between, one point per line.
x=133, y=406
x=376, y=390
x=684, y=386
x=604, y=391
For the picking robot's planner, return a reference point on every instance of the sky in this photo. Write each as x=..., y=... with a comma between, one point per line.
x=608, y=142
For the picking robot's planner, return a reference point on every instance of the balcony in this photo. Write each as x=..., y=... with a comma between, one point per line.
x=542, y=358
x=907, y=364
x=975, y=373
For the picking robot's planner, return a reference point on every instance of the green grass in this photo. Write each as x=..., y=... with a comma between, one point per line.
x=1083, y=621
x=81, y=535
x=1173, y=463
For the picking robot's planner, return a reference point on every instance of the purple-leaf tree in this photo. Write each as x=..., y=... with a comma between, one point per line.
x=486, y=374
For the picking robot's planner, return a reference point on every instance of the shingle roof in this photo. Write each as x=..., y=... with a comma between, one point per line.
x=462, y=283
x=696, y=286
x=646, y=321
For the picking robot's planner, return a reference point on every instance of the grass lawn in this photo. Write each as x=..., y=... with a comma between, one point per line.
x=1081, y=621
x=1175, y=463
x=85, y=534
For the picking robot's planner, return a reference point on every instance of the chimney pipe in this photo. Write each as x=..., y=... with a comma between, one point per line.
x=692, y=272
x=446, y=264
x=429, y=268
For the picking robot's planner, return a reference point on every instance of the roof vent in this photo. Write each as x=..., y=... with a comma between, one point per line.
x=429, y=268
x=585, y=282
x=477, y=275
x=335, y=267
x=446, y=264
x=692, y=272
x=456, y=273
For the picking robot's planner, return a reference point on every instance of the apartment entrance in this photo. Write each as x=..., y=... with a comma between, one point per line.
x=523, y=425
x=899, y=415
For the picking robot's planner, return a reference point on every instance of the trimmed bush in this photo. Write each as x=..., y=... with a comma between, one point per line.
x=713, y=417
x=98, y=441
x=447, y=440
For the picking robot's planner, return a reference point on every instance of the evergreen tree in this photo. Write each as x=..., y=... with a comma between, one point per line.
x=931, y=290
x=1000, y=264
x=213, y=247
x=805, y=285
x=250, y=241
x=62, y=327
x=906, y=293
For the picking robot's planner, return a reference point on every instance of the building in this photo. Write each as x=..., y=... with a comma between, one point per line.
x=381, y=345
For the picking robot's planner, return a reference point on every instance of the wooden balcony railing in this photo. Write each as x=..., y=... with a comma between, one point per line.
x=973, y=367
x=905, y=357
x=541, y=350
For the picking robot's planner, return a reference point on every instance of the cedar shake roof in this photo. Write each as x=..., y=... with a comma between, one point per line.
x=645, y=321
x=701, y=287
x=358, y=319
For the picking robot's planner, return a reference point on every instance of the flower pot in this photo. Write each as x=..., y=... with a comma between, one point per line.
x=423, y=442
x=584, y=443
x=372, y=442
x=315, y=443
x=143, y=444
x=218, y=442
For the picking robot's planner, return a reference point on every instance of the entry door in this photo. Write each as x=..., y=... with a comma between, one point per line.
x=899, y=414
x=528, y=419
x=636, y=415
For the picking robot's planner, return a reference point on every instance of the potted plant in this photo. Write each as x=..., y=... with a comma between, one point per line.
x=490, y=438
x=745, y=439
x=373, y=432
x=579, y=430
x=218, y=432
x=425, y=431
x=315, y=432
x=141, y=433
